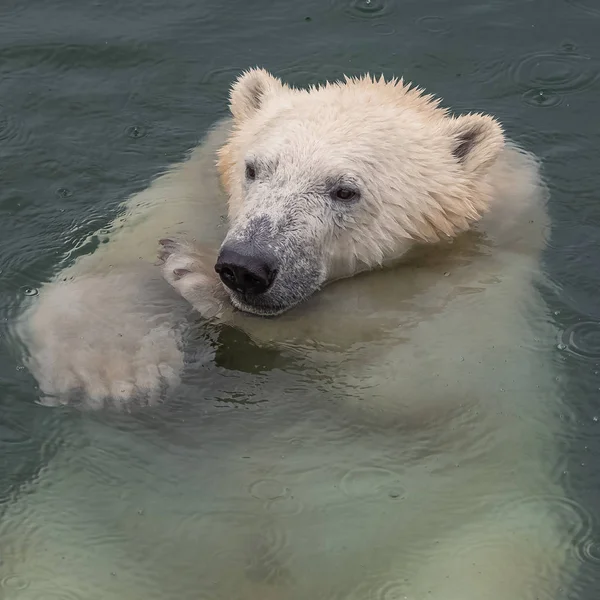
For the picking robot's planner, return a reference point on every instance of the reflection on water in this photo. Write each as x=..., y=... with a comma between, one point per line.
x=442, y=447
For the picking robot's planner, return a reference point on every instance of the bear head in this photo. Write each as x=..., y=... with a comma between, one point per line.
x=332, y=180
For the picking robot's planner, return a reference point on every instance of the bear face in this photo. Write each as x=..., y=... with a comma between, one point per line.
x=327, y=182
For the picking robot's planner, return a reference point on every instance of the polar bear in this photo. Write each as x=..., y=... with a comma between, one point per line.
x=390, y=251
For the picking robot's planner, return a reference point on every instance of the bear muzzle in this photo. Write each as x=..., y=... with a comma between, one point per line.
x=246, y=269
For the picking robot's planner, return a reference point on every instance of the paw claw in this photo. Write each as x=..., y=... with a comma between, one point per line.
x=179, y=273
x=167, y=248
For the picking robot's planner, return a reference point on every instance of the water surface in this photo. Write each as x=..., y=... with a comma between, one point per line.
x=95, y=99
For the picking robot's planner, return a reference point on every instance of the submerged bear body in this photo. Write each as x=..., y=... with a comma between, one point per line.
x=389, y=253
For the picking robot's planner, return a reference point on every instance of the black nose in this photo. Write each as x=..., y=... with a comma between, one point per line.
x=246, y=272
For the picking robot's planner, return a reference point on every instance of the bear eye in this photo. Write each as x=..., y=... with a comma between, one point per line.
x=344, y=194
x=250, y=172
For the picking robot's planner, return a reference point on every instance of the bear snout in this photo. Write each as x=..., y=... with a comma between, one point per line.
x=247, y=270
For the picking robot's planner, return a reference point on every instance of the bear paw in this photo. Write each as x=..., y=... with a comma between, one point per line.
x=95, y=341
x=188, y=268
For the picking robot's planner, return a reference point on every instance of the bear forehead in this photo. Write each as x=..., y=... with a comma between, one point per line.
x=349, y=108
x=342, y=119
x=297, y=148
x=356, y=94
x=331, y=131
x=359, y=146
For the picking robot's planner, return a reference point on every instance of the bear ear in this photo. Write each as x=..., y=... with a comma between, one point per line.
x=476, y=140
x=249, y=92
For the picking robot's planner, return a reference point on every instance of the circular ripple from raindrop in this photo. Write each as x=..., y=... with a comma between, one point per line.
x=268, y=489
x=541, y=98
x=383, y=29
x=30, y=291
x=391, y=590
x=576, y=523
x=432, y=24
x=589, y=552
x=63, y=192
x=366, y=9
x=285, y=507
x=553, y=73
x=583, y=340
x=367, y=482
x=14, y=582
x=136, y=131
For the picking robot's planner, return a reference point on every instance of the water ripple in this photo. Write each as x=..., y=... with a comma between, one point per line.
x=391, y=590
x=137, y=131
x=285, y=506
x=589, y=552
x=582, y=339
x=268, y=489
x=63, y=193
x=14, y=583
x=379, y=587
x=557, y=71
x=383, y=29
x=367, y=9
x=548, y=76
x=576, y=523
x=541, y=98
x=369, y=482
x=278, y=497
x=543, y=78
x=364, y=9
x=432, y=24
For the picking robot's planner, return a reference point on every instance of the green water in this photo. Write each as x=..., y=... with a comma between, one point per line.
x=95, y=99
